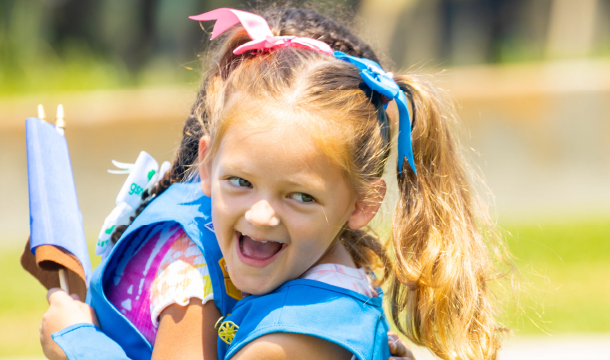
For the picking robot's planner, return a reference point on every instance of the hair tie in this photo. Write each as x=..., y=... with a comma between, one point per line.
x=258, y=30
x=378, y=80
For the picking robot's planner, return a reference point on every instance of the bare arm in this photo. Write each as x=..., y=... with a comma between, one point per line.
x=187, y=332
x=285, y=346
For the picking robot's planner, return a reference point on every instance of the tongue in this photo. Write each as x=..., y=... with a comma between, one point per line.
x=259, y=250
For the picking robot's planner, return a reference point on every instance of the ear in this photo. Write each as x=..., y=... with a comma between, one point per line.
x=205, y=167
x=365, y=209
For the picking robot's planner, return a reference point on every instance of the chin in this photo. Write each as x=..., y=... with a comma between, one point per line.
x=255, y=285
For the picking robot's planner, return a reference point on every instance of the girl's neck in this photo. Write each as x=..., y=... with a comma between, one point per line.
x=337, y=254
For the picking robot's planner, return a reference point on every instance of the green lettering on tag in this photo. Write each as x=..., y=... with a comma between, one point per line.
x=151, y=173
x=109, y=230
x=135, y=189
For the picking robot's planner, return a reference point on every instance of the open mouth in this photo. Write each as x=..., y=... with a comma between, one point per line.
x=259, y=251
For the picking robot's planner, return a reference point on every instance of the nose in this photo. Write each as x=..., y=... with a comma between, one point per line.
x=262, y=214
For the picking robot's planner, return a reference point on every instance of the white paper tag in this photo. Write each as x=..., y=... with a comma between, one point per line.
x=143, y=175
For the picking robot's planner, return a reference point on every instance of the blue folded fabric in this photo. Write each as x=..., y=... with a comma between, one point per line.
x=55, y=218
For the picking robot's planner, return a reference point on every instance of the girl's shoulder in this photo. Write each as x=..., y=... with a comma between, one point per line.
x=181, y=275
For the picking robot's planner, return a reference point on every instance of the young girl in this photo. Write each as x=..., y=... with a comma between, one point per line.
x=292, y=143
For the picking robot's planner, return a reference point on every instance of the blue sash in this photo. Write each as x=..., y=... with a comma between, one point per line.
x=184, y=204
x=344, y=317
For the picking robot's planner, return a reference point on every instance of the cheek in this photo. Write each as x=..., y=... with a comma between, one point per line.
x=315, y=240
x=321, y=227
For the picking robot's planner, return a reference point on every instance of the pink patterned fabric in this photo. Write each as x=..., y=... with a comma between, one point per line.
x=182, y=275
x=342, y=276
x=160, y=268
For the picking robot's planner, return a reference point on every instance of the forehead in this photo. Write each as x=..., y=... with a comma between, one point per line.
x=307, y=125
x=282, y=143
x=282, y=153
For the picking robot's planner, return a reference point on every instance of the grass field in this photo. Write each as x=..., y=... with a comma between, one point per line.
x=568, y=267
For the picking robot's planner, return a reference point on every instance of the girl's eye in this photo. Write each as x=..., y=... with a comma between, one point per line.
x=237, y=181
x=302, y=197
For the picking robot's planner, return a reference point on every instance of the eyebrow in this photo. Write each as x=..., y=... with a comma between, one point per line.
x=238, y=169
x=309, y=182
x=313, y=182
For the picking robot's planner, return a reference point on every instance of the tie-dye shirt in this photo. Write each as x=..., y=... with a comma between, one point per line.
x=163, y=266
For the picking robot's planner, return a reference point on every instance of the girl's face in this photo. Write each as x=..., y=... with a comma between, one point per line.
x=277, y=203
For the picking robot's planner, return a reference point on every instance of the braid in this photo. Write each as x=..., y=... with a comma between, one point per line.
x=188, y=152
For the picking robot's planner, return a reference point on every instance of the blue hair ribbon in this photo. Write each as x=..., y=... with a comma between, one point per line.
x=378, y=80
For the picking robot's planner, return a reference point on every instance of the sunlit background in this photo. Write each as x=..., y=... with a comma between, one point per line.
x=531, y=79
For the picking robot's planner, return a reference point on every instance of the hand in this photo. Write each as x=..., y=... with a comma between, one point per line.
x=64, y=311
x=398, y=348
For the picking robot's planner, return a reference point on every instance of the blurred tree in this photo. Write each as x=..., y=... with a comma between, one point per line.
x=470, y=31
x=48, y=45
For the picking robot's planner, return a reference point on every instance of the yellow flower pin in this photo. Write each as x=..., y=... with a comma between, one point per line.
x=227, y=331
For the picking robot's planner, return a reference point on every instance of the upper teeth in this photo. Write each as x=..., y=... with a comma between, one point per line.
x=261, y=241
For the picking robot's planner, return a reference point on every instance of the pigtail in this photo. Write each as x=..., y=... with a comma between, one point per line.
x=368, y=252
x=439, y=293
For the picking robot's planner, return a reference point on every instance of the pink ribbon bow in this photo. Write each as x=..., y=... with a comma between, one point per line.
x=258, y=30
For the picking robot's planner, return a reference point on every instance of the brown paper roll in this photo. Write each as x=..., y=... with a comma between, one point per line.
x=48, y=260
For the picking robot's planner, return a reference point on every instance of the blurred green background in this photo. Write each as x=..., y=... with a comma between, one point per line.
x=531, y=80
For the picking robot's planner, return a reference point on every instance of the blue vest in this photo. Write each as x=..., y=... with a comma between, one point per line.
x=344, y=317
x=184, y=204
x=351, y=320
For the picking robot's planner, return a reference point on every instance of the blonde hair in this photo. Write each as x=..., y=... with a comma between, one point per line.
x=442, y=261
